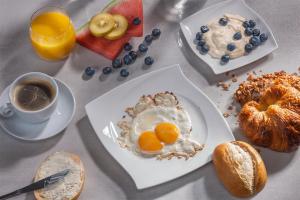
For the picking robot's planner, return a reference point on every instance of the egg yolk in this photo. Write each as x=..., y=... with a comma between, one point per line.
x=149, y=142
x=167, y=132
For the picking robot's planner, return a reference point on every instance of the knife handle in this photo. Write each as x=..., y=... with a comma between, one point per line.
x=29, y=188
x=38, y=185
x=12, y=194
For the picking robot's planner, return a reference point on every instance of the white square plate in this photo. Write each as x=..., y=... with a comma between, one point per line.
x=209, y=126
x=191, y=25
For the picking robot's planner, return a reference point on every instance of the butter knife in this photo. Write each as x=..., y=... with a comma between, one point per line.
x=50, y=180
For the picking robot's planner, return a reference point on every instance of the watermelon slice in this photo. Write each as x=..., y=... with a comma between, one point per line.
x=108, y=48
x=111, y=48
x=129, y=9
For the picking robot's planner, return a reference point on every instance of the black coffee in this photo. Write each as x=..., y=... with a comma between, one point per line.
x=33, y=95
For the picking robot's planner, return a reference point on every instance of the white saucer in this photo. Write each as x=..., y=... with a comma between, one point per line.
x=58, y=121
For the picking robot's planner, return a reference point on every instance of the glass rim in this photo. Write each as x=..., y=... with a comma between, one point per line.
x=43, y=9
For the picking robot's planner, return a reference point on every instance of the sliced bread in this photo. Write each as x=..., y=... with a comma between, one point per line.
x=67, y=189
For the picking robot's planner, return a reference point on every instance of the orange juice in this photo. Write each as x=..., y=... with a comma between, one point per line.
x=52, y=33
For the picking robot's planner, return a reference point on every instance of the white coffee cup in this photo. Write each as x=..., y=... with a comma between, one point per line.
x=11, y=108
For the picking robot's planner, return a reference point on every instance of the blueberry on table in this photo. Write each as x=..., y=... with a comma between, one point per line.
x=223, y=21
x=256, y=32
x=136, y=21
x=201, y=43
x=199, y=36
x=248, y=48
x=248, y=31
x=156, y=33
x=133, y=55
x=127, y=60
x=90, y=71
x=263, y=37
x=124, y=73
x=255, y=41
x=252, y=23
x=231, y=47
x=148, y=39
x=225, y=59
x=246, y=24
x=107, y=70
x=204, y=29
x=117, y=63
x=149, y=60
x=237, y=36
x=204, y=49
x=127, y=47
x=143, y=48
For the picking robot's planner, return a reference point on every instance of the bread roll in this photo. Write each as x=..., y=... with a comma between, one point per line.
x=67, y=189
x=240, y=168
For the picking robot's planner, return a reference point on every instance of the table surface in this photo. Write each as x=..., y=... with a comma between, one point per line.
x=105, y=179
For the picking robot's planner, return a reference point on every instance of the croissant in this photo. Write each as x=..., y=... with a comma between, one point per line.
x=254, y=87
x=270, y=115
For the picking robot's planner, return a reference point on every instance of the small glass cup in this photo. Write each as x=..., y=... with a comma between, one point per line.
x=52, y=33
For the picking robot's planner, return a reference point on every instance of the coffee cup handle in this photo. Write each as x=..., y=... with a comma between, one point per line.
x=6, y=110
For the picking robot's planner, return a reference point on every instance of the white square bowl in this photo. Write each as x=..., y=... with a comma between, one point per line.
x=191, y=25
x=209, y=126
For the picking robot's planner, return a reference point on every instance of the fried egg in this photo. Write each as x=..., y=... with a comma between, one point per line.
x=159, y=126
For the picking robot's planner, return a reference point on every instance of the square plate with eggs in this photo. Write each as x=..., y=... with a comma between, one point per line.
x=220, y=36
x=158, y=121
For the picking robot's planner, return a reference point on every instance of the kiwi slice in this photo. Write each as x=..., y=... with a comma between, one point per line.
x=101, y=24
x=120, y=28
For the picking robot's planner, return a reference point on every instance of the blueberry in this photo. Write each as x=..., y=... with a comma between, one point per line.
x=124, y=73
x=201, y=42
x=248, y=31
x=237, y=36
x=225, y=59
x=248, y=48
x=252, y=23
x=136, y=21
x=117, y=63
x=263, y=37
x=149, y=60
x=255, y=41
x=199, y=36
x=204, y=49
x=127, y=47
x=156, y=33
x=148, y=39
x=107, y=70
x=127, y=60
x=256, y=32
x=90, y=71
x=223, y=21
x=204, y=29
x=246, y=24
x=230, y=47
x=133, y=55
x=143, y=48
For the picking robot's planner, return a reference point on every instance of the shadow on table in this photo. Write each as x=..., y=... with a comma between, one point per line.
x=213, y=187
x=176, y=10
x=112, y=169
x=23, y=59
x=82, y=57
x=12, y=150
x=204, y=68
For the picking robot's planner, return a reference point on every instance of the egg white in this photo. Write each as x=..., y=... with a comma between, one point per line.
x=149, y=118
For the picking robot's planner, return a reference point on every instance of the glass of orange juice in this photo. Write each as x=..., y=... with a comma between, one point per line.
x=52, y=33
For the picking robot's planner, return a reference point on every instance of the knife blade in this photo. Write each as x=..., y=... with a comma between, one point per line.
x=50, y=180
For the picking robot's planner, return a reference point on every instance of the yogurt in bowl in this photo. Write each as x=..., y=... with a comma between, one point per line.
x=218, y=37
x=229, y=37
